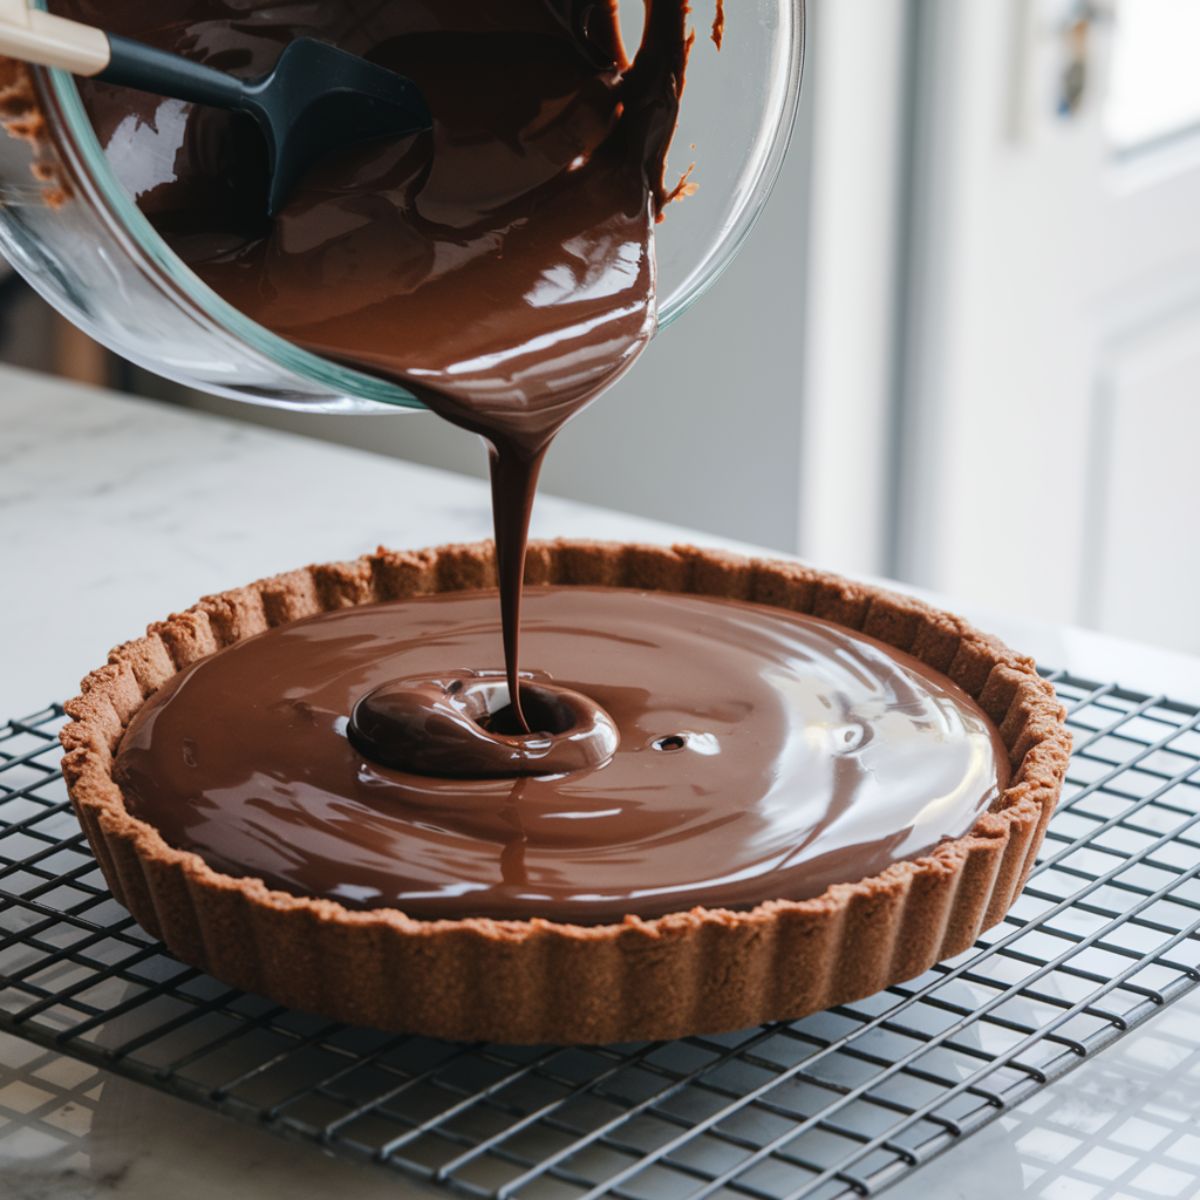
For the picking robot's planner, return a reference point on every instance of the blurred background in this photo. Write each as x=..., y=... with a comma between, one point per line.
x=961, y=349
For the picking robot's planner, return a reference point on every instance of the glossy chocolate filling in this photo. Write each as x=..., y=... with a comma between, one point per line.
x=762, y=755
x=501, y=265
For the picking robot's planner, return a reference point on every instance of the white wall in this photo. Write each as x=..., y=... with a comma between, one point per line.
x=1053, y=393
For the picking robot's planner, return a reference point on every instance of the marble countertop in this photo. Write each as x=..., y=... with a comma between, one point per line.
x=114, y=512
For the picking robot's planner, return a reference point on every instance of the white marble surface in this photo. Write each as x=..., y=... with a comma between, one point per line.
x=113, y=512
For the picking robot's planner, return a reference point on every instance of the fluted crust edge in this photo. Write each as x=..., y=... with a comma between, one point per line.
x=538, y=981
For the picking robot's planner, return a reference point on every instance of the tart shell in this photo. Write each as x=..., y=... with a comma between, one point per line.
x=538, y=981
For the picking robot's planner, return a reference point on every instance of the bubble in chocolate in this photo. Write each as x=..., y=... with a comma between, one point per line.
x=673, y=741
x=465, y=725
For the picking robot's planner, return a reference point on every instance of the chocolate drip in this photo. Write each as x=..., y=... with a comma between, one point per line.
x=514, y=474
x=762, y=755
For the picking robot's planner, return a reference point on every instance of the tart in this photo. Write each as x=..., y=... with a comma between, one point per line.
x=538, y=980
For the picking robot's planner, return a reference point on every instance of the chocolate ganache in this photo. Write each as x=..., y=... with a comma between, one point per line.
x=762, y=754
x=500, y=265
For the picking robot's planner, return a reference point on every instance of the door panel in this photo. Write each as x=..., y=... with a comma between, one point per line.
x=1146, y=487
x=1051, y=302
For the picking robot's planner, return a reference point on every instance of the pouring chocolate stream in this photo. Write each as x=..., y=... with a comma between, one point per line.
x=501, y=266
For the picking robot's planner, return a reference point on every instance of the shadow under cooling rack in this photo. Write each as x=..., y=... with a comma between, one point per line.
x=841, y=1103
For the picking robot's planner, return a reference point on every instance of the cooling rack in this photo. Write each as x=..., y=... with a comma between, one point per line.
x=842, y=1103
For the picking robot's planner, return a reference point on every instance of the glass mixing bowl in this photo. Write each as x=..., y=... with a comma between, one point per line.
x=96, y=258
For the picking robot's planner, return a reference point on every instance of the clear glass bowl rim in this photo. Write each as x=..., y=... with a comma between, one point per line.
x=89, y=162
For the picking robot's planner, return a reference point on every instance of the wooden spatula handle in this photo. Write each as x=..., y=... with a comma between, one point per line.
x=40, y=37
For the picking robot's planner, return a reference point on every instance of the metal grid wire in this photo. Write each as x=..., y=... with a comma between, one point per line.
x=841, y=1103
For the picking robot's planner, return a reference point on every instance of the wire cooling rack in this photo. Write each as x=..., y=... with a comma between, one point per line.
x=839, y=1104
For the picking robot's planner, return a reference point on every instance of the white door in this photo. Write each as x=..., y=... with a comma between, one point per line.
x=1050, y=397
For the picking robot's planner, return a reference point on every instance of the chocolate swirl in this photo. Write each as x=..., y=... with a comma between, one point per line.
x=464, y=725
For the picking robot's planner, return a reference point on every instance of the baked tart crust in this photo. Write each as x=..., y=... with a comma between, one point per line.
x=540, y=981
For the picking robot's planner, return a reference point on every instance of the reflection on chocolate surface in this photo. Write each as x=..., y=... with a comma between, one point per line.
x=763, y=754
x=501, y=265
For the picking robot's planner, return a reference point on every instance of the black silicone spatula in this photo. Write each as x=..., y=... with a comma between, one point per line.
x=316, y=99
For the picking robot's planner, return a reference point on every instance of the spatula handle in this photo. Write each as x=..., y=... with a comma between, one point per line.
x=40, y=37
x=136, y=65
x=34, y=36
